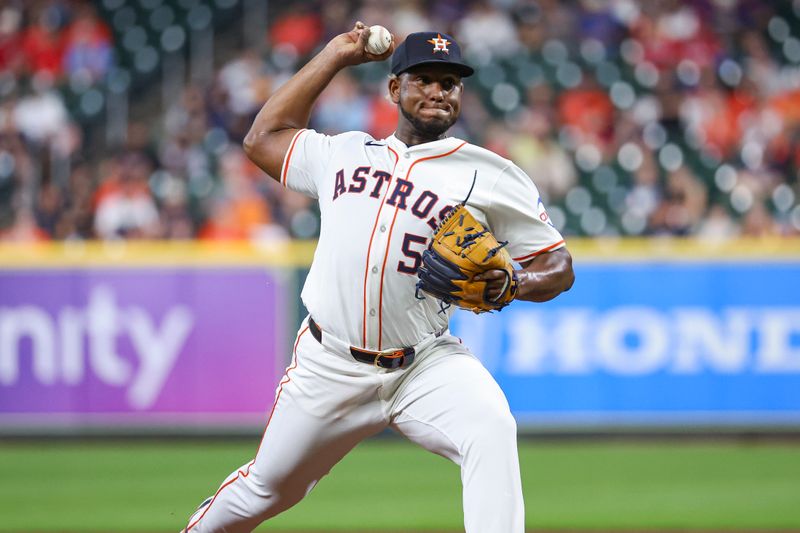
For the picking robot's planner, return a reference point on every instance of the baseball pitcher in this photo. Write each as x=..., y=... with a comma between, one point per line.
x=413, y=226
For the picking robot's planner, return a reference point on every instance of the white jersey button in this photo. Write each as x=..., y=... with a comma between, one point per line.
x=383, y=229
x=374, y=270
x=371, y=312
x=406, y=155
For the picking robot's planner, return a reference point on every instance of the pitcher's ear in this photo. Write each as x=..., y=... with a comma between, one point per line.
x=394, y=88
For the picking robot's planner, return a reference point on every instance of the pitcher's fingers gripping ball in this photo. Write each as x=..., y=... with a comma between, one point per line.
x=379, y=40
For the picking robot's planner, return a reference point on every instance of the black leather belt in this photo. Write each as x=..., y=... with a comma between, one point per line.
x=391, y=359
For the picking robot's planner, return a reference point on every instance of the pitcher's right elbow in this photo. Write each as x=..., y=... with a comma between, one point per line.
x=250, y=144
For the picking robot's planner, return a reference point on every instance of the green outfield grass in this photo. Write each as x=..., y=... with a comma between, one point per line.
x=393, y=486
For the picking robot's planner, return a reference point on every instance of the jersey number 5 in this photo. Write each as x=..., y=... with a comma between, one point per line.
x=408, y=240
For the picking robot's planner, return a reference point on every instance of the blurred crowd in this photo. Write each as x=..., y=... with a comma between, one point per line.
x=633, y=118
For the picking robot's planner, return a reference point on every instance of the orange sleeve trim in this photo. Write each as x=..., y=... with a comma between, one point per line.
x=539, y=252
x=285, y=167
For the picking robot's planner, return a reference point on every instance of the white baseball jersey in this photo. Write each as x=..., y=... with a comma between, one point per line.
x=380, y=202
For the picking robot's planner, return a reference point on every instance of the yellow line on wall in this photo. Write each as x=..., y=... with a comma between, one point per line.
x=685, y=249
x=126, y=254
x=122, y=254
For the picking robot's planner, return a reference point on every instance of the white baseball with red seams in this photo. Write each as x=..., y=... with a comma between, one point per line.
x=379, y=40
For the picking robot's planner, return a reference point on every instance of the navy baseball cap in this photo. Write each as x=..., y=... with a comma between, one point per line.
x=429, y=48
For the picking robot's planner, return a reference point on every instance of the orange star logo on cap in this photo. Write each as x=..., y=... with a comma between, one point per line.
x=439, y=44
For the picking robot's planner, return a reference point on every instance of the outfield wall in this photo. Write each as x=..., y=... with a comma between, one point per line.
x=194, y=337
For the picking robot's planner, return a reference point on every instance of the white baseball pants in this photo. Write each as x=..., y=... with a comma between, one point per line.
x=327, y=403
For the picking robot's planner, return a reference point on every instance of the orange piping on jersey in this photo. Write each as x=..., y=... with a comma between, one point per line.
x=389, y=242
x=286, y=379
x=383, y=269
x=285, y=168
x=543, y=250
x=369, y=249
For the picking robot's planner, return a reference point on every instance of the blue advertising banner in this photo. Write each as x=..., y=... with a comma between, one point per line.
x=645, y=343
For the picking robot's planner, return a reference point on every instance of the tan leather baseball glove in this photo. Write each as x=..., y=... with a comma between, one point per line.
x=463, y=248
